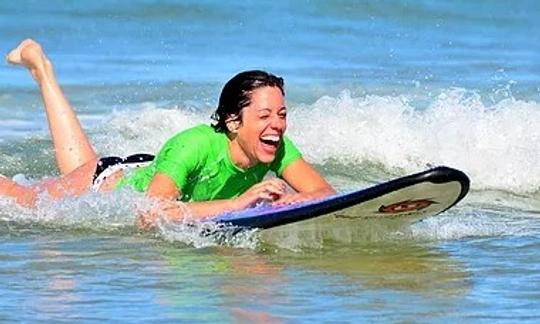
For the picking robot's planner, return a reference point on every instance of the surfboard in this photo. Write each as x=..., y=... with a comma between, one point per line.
x=413, y=197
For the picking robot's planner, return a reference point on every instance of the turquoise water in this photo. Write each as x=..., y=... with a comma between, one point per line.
x=375, y=90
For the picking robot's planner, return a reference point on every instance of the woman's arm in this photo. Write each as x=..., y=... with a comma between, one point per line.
x=164, y=189
x=300, y=175
x=308, y=183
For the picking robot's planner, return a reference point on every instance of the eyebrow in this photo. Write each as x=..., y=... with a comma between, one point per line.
x=262, y=109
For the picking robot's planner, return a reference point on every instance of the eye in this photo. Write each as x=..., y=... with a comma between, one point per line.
x=283, y=114
x=265, y=116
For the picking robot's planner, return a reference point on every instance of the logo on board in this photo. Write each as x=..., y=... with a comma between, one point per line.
x=406, y=206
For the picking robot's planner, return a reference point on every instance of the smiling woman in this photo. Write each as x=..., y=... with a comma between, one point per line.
x=212, y=169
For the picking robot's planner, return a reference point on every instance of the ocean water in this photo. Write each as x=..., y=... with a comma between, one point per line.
x=375, y=90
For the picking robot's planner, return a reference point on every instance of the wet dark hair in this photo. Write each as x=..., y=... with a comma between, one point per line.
x=236, y=94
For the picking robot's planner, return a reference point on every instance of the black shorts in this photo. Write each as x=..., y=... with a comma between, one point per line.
x=106, y=166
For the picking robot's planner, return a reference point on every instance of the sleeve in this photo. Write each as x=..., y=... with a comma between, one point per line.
x=287, y=154
x=182, y=155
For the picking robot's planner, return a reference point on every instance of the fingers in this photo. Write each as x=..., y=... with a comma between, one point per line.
x=144, y=222
x=274, y=186
x=273, y=189
x=285, y=200
x=266, y=191
x=290, y=199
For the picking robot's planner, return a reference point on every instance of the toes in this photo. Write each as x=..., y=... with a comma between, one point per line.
x=15, y=56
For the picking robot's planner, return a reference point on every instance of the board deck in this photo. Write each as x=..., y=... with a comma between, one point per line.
x=414, y=197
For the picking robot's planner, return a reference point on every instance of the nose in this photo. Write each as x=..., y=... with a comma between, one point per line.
x=278, y=123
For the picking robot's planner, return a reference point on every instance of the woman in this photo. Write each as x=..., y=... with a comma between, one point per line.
x=212, y=169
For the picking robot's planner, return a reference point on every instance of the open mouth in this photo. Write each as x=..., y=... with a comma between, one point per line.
x=271, y=141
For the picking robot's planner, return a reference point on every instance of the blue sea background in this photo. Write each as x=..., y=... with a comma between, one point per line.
x=375, y=90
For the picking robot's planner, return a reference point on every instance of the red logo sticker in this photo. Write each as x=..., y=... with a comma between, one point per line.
x=406, y=206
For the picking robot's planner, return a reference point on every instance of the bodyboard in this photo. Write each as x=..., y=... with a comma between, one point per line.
x=413, y=197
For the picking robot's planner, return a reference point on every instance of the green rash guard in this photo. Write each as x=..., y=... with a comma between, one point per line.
x=199, y=163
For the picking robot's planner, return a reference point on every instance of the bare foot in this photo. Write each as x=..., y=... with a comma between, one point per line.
x=29, y=54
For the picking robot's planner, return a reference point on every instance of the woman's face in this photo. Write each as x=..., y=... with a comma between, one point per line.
x=264, y=122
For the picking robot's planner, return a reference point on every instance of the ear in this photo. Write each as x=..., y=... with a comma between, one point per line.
x=232, y=123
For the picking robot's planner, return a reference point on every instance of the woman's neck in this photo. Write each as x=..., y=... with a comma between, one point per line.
x=238, y=156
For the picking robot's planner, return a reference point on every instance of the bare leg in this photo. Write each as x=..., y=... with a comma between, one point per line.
x=75, y=183
x=23, y=195
x=71, y=145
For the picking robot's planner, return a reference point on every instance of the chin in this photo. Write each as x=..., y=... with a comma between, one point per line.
x=266, y=158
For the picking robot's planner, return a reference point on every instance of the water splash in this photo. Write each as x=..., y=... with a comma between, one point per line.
x=207, y=234
x=492, y=144
x=470, y=222
x=117, y=213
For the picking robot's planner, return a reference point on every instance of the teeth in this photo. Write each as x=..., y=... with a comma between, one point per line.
x=272, y=138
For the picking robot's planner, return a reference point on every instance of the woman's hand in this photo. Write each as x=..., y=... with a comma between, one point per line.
x=268, y=190
x=295, y=198
x=169, y=209
x=307, y=182
x=146, y=221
